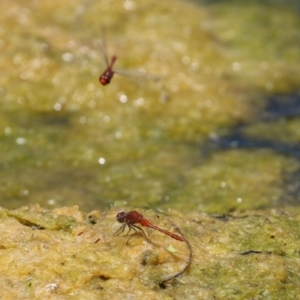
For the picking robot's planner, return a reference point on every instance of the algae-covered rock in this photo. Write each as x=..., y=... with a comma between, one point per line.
x=42, y=218
x=254, y=255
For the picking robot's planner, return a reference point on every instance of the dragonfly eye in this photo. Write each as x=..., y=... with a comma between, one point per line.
x=104, y=79
x=121, y=217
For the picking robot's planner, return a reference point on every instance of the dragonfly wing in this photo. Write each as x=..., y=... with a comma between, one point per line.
x=138, y=74
x=104, y=52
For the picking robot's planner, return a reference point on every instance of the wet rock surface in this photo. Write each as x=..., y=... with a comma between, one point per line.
x=249, y=255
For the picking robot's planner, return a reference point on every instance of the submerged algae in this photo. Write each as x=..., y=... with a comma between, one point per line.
x=65, y=138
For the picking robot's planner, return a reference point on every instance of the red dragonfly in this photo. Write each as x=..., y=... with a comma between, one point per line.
x=107, y=75
x=130, y=219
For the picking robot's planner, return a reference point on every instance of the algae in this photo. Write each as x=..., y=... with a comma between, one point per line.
x=43, y=219
x=236, y=256
x=65, y=139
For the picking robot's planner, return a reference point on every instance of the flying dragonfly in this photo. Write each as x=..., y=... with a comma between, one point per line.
x=109, y=72
x=107, y=75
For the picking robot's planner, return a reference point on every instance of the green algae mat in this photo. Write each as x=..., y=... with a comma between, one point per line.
x=218, y=130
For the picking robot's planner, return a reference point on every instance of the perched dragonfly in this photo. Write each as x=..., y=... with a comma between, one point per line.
x=131, y=218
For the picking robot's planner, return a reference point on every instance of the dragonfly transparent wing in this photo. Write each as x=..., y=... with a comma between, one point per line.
x=138, y=74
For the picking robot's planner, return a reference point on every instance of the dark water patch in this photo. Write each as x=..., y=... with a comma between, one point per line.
x=291, y=183
x=270, y=3
x=281, y=106
x=238, y=140
x=277, y=108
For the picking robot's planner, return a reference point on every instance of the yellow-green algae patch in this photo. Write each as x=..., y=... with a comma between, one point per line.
x=239, y=256
x=289, y=133
x=236, y=179
x=45, y=219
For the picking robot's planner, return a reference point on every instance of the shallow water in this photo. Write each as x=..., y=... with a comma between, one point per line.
x=206, y=137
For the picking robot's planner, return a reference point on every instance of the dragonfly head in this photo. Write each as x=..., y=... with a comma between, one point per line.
x=121, y=217
x=104, y=79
